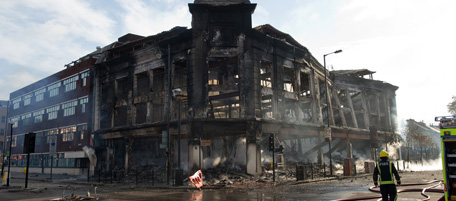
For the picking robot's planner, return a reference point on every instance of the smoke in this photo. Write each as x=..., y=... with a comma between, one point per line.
x=225, y=152
x=360, y=164
x=394, y=151
x=429, y=165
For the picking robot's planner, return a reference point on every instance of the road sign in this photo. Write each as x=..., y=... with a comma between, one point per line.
x=53, y=145
x=205, y=143
x=328, y=136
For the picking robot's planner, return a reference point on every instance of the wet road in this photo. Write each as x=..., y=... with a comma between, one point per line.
x=322, y=190
x=328, y=190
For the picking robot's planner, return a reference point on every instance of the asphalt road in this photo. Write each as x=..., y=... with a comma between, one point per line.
x=330, y=189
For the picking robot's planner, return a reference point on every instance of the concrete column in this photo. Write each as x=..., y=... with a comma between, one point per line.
x=352, y=109
x=253, y=154
x=317, y=115
x=194, y=158
x=96, y=102
x=253, y=148
x=126, y=158
x=320, y=151
x=349, y=149
x=366, y=110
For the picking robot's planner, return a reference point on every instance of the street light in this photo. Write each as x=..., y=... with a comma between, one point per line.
x=9, y=153
x=327, y=107
x=179, y=95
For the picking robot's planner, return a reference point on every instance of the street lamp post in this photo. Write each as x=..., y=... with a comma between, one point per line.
x=179, y=136
x=9, y=153
x=168, y=117
x=179, y=95
x=327, y=106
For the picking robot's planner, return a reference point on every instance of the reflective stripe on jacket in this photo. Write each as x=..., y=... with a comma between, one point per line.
x=385, y=170
x=389, y=178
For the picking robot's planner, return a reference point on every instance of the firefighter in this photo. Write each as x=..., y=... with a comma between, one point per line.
x=386, y=170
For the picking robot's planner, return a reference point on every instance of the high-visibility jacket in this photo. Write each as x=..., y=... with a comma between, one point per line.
x=386, y=170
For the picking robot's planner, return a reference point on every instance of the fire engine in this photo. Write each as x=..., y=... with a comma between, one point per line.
x=448, y=147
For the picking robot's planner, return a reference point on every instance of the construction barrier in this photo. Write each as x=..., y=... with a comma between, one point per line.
x=197, y=179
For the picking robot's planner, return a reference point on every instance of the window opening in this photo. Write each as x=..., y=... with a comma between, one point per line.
x=53, y=112
x=70, y=83
x=84, y=76
x=16, y=103
x=54, y=89
x=39, y=95
x=68, y=133
x=223, y=79
x=69, y=108
x=27, y=99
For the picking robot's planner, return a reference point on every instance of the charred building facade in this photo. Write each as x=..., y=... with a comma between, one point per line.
x=198, y=98
x=211, y=95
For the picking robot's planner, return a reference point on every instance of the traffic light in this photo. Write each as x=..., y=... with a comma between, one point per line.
x=280, y=149
x=271, y=142
x=29, y=143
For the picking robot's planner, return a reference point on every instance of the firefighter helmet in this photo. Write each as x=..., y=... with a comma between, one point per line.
x=383, y=154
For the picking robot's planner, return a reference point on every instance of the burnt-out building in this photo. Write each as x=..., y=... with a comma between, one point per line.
x=58, y=110
x=211, y=95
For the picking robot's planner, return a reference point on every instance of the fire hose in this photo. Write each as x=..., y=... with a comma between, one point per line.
x=423, y=191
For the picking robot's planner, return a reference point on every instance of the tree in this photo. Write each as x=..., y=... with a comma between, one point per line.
x=452, y=106
x=409, y=133
x=394, y=138
x=415, y=137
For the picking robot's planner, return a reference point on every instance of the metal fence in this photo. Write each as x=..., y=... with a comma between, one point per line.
x=311, y=171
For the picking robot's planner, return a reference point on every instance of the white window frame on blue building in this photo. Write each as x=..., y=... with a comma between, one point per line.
x=16, y=103
x=83, y=102
x=84, y=76
x=69, y=108
x=82, y=128
x=68, y=133
x=28, y=99
x=70, y=83
x=16, y=121
x=39, y=95
x=26, y=119
x=49, y=133
x=53, y=112
x=38, y=115
x=54, y=89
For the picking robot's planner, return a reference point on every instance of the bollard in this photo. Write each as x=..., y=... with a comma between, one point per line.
x=305, y=172
x=324, y=169
x=312, y=170
x=136, y=177
x=299, y=172
x=153, y=177
x=349, y=167
x=179, y=177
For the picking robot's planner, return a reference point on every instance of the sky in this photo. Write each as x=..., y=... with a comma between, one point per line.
x=408, y=43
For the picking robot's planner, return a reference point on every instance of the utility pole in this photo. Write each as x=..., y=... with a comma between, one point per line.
x=272, y=148
x=168, y=116
x=9, y=153
x=328, y=108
